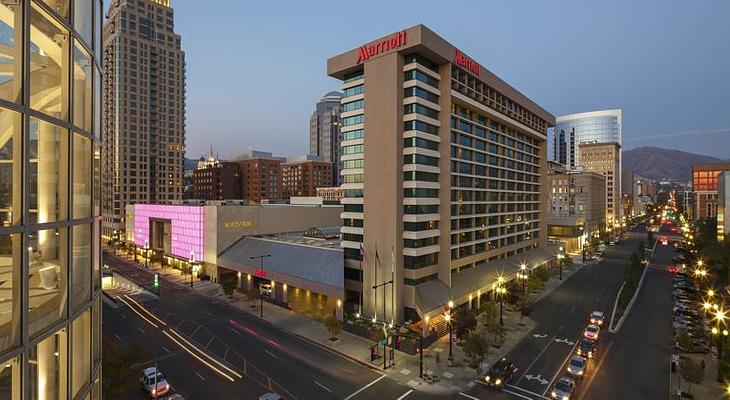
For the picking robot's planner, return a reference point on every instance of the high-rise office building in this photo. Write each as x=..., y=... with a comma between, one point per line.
x=603, y=158
x=575, y=129
x=50, y=215
x=443, y=173
x=324, y=132
x=144, y=110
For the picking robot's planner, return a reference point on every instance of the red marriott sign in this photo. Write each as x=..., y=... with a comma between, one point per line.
x=463, y=60
x=394, y=41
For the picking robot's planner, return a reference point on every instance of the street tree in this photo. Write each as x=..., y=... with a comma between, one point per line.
x=229, y=286
x=334, y=327
x=476, y=347
x=463, y=323
x=684, y=341
x=691, y=372
x=252, y=296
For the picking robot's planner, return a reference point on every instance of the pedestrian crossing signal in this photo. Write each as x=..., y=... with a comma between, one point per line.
x=156, y=281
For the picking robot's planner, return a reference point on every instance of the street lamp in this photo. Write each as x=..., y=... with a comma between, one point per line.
x=261, y=294
x=447, y=317
x=560, y=263
x=192, y=267
x=501, y=291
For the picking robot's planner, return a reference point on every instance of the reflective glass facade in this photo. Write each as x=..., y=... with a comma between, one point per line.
x=591, y=127
x=49, y=208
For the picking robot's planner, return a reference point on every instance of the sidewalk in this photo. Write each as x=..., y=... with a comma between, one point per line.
x=708, y=389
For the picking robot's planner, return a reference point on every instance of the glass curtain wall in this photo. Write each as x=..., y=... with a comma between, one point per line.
x=50, y=273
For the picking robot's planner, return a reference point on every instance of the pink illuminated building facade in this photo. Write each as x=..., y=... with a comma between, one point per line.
x=176, y=229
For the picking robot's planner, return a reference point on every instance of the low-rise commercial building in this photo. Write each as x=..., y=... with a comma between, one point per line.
x=723, y=205
x=577, y=202
x=331, y=194
x=300, y=243
x=605, y=159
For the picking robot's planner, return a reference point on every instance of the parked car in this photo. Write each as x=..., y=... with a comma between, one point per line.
x=265, y=289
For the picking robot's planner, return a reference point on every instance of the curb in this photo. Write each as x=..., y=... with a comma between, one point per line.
x=633, y=299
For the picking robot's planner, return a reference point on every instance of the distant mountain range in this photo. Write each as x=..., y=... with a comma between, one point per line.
x=663, y=164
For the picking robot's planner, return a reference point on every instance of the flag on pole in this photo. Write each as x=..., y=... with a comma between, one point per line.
x=362, y=252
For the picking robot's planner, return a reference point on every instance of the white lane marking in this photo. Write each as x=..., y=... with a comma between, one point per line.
x=117, y=337
x=561, y=369
x=405, y=394
x=535, y=360
x=516, y=394
x=271, y=354
x=323, y=386
x=123, y=316
x=141, y=330
x=572, y=309
x=209, y=313
x=561, y=327
x=365, y=387
x=527, y=391
x=199, y=376
x=234, y=331
x=165, y=348
x=467, y=396
x=598, y=299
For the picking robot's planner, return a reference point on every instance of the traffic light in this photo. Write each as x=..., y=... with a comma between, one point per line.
x=156, y=283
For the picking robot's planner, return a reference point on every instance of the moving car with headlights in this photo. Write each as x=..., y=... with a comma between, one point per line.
x=586, y=349
x=153, y=382
x=577, y=366
x=591, y=332
x=500, y=373
x=271, y=396
x=564, y=389
x=597, y=318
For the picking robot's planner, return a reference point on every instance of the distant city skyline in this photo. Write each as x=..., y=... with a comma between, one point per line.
x=663, y=65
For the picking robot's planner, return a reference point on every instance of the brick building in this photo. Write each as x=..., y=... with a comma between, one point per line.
x=222, y=181
x=302, y=178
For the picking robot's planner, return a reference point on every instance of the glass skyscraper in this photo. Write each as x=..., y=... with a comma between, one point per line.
x=575, y=129
x=50, y=313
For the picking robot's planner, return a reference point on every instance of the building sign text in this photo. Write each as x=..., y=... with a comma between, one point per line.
x=463, y=60
x=394, y=41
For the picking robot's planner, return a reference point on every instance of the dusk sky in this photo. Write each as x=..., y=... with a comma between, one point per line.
x=254, y=73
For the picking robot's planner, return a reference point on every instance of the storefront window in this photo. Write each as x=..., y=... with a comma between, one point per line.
x=80, y=353
x=10, y=266
x=47, y=172
x=81, y=266
x=10, y=379
x=48, y=278
x=82, y=177
x=47, y=368
x=10, y=166
x=10, y=60
x=82, y=88
x=49, y=63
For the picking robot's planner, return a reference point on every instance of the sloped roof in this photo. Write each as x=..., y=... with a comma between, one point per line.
x=316, y=264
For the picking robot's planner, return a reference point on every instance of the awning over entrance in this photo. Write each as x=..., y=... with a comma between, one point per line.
x=319, y=269
x=435, y=294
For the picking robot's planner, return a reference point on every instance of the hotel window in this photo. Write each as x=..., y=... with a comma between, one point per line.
x=355, y=119
x=359, y=89
x=421, y=76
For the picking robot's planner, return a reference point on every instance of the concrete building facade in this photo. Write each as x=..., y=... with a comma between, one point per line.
x=604, y=159
x=444, y=169
x=324, y=133
x=50, y=203
x=144, y=111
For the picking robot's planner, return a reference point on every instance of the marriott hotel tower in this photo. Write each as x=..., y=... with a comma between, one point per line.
x=444, y=169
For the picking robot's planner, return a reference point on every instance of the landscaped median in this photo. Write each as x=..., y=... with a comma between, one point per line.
x=634, y=274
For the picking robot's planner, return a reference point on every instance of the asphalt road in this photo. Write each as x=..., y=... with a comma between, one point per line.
x=295, y=366
x=561, y=318
x=638, y=367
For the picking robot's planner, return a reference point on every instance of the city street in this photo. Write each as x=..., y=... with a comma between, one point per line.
x=561, y=316
x=302, y=369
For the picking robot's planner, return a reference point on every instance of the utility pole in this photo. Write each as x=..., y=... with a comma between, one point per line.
x=261, y=294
